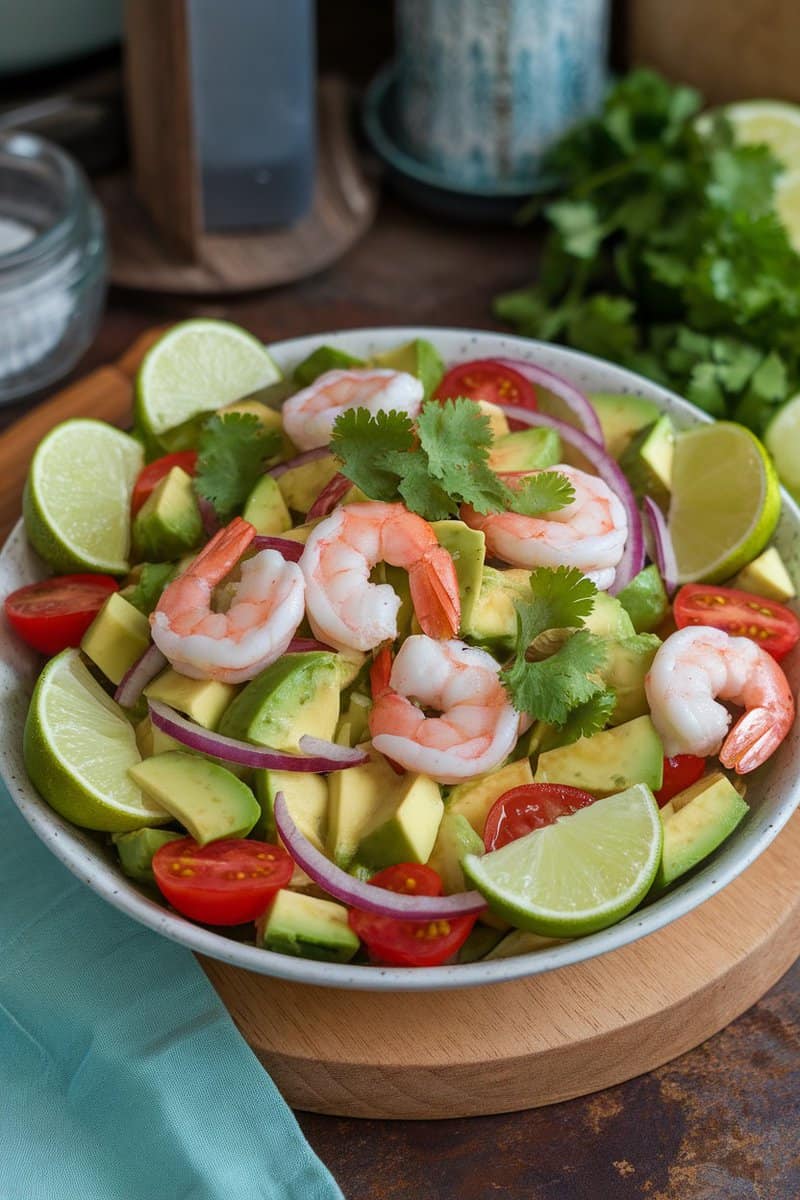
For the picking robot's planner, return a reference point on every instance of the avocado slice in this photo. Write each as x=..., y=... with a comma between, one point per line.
x=621, y=416
x=356, y=798
x=204, y=700
x=307, y=927
x=356, y=719
x=526, y=450
x=207, y=800
x=116, y=638
x=481, y=940
x=493, y=619
x=419, y=358
x=645, y=600
x=136, y=851
x=498, y=424
x=627, y=662
x=607, y=762
x=297, y=694
x=301, y=485
x=647, y=461
x=455, y=838
x=266, y=509
x=767, y=576
x=467, y=548
x=703, y=816
x=301, y=533
x=608, y=618
x=168, y=524
x=324, y=358
x=405, y=823
x=474, y=798
x=145, y=584
x=306, y=798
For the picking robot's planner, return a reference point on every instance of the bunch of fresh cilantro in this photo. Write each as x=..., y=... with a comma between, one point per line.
x=665, y=254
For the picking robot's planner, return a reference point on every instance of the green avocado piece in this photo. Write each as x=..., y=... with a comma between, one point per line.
x=526, y=450
x=306, y=798
x=297, y=694
x=204, y=797
x=405, y=823
x=766, y=576
x=608, y=618
x=621, y=416
x=493, y=620
x=358, y=709
x=627, y=662
x=481, y=940
x=168, y=524
x=136, y=851
x=357, y=796
x=703, y=816
x=204, y=700
x=474, y=798
x=301, y=485
x=419, y=358
x=146, y=583
x=307, y=927
x=467, y=548
x=647, y=461
x=607, y=762
x=266, y=509
x=455, y=838
x=324, y=358
x=117, y=636
x=645, y=600
x=520, y=941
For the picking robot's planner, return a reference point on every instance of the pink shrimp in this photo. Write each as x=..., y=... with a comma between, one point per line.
x=309, y=415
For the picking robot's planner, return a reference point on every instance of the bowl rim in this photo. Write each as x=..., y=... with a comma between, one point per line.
x=88, y=862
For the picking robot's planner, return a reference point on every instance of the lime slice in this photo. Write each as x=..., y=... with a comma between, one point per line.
x=782, y=439
x=771, y=123
x=198, y=366
x=726, y=501
x=78, y=495
x=787, y=205
x=78, y=746
x=581, y=873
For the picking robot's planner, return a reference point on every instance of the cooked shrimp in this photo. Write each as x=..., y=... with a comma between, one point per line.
x=348, y=611
x=699, y=664
x=309, y=416
x=265, y=611
x=478, y=725
x=589, y=533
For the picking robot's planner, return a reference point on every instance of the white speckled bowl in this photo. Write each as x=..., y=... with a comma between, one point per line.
x=773, y=792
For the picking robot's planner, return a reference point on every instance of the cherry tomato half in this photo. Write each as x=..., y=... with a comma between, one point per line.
x=410, y=943
x=530, y=806
x=680, y=772
x=151, y=475
x=225, y=883
x=56, y=613
x=487, y=379
x=741, y=614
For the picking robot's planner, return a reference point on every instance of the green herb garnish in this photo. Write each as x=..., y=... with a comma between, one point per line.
x=231, y=456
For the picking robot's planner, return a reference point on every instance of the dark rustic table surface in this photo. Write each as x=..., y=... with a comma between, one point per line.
x=720, y=1123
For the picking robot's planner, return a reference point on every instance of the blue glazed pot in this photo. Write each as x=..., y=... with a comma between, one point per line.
x=484, y=87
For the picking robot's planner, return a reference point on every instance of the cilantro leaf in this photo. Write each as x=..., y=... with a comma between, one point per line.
x=562, y=597
x=545, y=492
x=231, y=454
x=589, y=717
x=551, y=689
x=145, y=592
x=366, y=445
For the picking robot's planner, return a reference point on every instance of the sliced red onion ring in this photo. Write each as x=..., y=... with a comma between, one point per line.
x=292, y=551
x=663, y=548
x=302, y=645
x=329, y=497
x=366, y=896
x=632, y=559
x=572, y=397
x=299, y=461
x=135, y=680
x=208, y=515
x=322, y=756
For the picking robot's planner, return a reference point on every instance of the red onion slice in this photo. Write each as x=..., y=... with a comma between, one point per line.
x=329, y=497
x=323, y=756
x=572, y=397
x=299, y=461
x=366, y=896
x=292, y=551
x=135, y=680
x=632, y=559
x=663, y=548
x=302, y=645
x=208, y=515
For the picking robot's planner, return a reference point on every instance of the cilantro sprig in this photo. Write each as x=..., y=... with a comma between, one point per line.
x=231, y=455
x=439, y=464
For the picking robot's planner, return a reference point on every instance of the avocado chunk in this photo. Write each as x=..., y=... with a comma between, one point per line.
x=607, y=762
x=493, y=619
x=355, y=721
x=703, y=816
x=207, y=800
x=419, y=358
x=356, y=798
x=467, y=548
x=608, y=618
x=145, y=584
x=627, y=662
x=526, y=450
x=621, y=416
x=301, y=533
x=136, y=851
x=474, y=798
x=766, y=576
x=301, y=485
x=297, y=694
x=324, y=358
x=405, y=824
x=477, y=946
x=306, y=798
x=168, y=524
x=645, y=600
x=204, y=700
x=456, y=838
x=498, y=425
x=647, y=461
x=307, y=927
x=116, y=638
x=266, y=509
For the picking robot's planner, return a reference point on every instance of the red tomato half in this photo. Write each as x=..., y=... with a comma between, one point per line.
x=410, y=943
x=741, y=614
x=56, y=613
x=528, y=807
x=486, y=379
x=151, y=475
x=680, y=772
x=225, y=883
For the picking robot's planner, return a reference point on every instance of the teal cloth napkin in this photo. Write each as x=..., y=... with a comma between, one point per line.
x=122, y=1077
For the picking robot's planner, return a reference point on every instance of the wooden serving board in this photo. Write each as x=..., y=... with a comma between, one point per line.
x=509, y=1046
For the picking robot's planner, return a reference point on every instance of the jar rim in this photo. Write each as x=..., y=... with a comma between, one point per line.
x=29, y=146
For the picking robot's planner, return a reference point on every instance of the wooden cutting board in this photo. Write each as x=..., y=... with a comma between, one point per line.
x=509, y=1046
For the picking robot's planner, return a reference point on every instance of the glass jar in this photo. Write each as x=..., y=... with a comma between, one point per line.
x=52, y=264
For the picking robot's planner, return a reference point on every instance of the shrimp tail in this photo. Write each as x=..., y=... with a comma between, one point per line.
x=751, y=741
x=380, y=672
x=434, y=593
x=219, y=556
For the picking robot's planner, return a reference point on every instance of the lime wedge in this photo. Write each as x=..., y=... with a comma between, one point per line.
x=198, y=366
x=782, y=439
x=787, y=205
x=770, y=123
x=581, y=873
x=78, y=746
x=726, y=501
x=78, y=495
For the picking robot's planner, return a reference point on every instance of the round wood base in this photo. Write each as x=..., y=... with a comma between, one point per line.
x=534, y=1041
